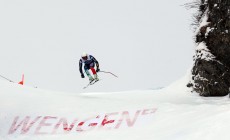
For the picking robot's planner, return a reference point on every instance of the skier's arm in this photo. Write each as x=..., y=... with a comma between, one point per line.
x=97, y=63
x=80, y=69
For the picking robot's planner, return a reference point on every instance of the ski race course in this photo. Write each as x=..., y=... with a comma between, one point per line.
x=171, y=113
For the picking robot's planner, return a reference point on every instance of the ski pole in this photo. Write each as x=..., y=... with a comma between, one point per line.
x=109, y=73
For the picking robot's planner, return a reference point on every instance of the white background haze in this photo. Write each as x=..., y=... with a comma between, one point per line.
x=147, y=43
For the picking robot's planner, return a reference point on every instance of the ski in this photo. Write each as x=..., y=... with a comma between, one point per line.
x=91, y=83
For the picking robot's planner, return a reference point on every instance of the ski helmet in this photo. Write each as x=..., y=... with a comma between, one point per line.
x=84, y=56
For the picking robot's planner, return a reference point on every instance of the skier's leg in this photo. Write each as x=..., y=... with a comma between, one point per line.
x=86, y=68
x=94, y=72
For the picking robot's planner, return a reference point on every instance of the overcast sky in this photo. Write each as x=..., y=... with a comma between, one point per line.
x=147, y=43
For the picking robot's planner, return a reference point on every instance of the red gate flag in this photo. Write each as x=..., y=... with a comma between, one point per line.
x=22, y=82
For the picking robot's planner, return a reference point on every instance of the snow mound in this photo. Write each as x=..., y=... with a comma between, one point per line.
x=172, y=113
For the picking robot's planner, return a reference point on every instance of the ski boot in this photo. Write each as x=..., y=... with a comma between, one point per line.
x=96, y=77
x=91, y=79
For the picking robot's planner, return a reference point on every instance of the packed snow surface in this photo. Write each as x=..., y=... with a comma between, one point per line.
x=172, y=113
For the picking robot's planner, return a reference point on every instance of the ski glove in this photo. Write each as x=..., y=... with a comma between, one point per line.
x=97, y=70
x=82, y=76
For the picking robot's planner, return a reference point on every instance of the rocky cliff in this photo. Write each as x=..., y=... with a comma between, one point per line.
x=211, y=70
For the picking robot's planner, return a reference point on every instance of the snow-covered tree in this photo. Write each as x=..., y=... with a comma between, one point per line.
x=211, y=70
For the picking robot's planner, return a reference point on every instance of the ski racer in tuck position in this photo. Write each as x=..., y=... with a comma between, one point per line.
x=89, y=63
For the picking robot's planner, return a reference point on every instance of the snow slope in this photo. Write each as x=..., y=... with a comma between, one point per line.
x=172, y=113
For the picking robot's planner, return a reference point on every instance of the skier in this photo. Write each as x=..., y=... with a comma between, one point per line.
x=89, y=62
